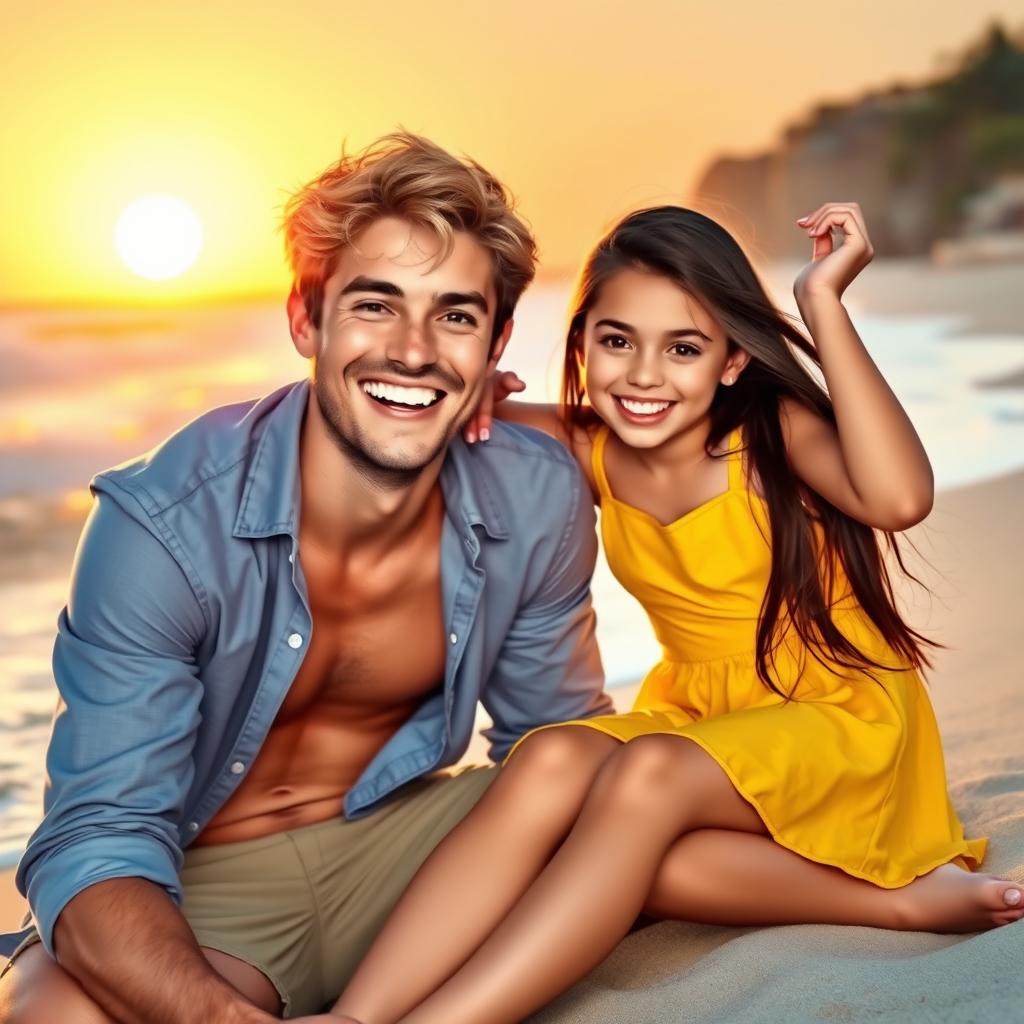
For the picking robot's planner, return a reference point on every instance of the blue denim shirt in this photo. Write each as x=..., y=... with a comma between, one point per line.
x=187, y=621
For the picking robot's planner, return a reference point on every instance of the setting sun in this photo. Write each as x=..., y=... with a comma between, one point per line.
x=158, y=237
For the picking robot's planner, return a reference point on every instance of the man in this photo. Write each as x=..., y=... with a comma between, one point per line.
x=281, y=620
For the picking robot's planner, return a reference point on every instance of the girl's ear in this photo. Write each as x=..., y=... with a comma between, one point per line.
x=734, y=366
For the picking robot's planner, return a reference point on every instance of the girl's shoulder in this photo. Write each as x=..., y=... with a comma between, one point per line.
x=585, y=441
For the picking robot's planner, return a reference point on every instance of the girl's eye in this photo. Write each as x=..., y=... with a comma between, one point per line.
x=615, y=341
x=682, y=349
x=458, y=316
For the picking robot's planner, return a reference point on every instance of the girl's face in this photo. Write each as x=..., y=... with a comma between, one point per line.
x=654, y=357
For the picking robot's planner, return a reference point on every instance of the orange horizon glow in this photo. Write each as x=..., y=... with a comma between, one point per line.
x=584, y=112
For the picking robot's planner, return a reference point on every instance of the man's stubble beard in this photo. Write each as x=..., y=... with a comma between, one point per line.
x=368, y=463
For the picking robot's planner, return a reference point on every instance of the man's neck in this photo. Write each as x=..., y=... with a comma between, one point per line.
x=344, y=507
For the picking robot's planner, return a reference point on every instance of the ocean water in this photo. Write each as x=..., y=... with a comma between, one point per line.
x=82, y=390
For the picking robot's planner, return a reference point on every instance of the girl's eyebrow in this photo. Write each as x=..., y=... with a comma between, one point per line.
x=682, y=332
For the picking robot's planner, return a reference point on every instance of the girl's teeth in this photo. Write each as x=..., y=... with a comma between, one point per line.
x=644, y=408
x=403, y=396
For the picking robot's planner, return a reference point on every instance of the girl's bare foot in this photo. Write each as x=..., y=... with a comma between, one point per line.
x=950, y=899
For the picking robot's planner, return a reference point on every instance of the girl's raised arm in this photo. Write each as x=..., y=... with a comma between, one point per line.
x=872, y=464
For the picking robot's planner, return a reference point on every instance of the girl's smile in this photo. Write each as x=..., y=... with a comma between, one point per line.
x=654, y=358
x=642, y=411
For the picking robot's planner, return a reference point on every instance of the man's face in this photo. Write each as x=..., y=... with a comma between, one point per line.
x=404, y=346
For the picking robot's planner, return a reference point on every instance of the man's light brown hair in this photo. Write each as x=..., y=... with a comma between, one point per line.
x=404, y=175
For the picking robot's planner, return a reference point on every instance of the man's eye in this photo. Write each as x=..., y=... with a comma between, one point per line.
x=370, y=307
x=614, y=341
x=457, y=316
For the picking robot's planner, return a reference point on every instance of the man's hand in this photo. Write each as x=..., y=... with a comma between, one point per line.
x=128, y=946
x=497, y=388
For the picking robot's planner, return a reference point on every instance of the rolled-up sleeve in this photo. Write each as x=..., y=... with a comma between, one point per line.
x=119, y=762
x=549, y=668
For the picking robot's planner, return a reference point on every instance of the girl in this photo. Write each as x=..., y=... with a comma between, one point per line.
x=782, y=763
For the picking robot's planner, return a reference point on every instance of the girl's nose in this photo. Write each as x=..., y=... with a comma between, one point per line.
x=644, y=371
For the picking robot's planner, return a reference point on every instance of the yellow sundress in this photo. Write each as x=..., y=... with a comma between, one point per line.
x=850, y=772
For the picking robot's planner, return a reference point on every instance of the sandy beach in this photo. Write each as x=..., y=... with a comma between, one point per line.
x=971, y=565
x=972, y=568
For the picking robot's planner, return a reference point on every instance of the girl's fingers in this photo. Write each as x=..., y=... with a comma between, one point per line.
x=823, y=246
x=852, y=228
x=813, y=222
x=484, y=413
x=814, y=215
x=509, y=382
x=496, y=389
x=835, y=216
x=848, y=218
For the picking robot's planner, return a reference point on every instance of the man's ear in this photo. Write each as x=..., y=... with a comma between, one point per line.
x=498, y=347
x=305, y=337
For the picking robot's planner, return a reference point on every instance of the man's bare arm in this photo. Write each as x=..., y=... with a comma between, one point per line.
x=124, y=941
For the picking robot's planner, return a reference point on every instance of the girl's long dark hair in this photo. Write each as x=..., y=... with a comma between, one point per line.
x=702, y=258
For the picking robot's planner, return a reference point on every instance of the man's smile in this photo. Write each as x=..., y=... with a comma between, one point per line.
x=403, y=399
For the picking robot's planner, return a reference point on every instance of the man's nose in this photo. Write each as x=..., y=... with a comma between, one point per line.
x=412, y=346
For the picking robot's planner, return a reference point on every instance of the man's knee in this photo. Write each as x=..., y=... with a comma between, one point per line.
x=37, y=990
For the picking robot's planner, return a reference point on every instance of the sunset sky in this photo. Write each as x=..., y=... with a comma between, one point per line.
x=585, y=109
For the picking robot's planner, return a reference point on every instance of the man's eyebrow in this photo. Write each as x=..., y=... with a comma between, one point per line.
x=463, y=299
x=682, y=332
x=369, y=284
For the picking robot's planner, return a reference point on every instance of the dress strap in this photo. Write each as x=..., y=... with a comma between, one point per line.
x=597, y=461
x=734, y=456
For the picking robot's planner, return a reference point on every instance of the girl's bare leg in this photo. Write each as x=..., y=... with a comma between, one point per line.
x=477, y=873
x=614, y=864
x=735, y=878
x=648, y=793
x=715, y=875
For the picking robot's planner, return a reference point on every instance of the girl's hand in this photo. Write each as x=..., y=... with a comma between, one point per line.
x=831, y=270
x=497, y=388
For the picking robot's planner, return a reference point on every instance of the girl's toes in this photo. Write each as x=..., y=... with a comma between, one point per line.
x=1012, y=897
x=1007, y=916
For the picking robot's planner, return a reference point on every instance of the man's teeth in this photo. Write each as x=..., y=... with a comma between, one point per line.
x=644, y=408
x=403, y=396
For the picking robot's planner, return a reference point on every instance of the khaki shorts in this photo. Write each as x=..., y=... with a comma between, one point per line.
x=303, y=906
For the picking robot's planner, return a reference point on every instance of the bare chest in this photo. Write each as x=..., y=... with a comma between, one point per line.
x=378, y=643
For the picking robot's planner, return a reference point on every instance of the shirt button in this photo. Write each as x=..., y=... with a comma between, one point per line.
x=237, y=767
x=453, y=637
x=291, y=558
x=193, y=826
x=295, y=641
